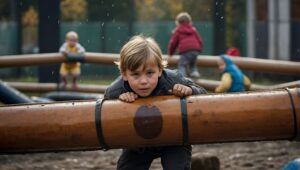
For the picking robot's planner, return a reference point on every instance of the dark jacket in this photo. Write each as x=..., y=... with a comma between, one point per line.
x=166, y=82
x=185, y=38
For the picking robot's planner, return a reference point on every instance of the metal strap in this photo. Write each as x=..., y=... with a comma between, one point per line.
x=294, y=114
x=185, y=132
x=75, y=58
x=99, y=131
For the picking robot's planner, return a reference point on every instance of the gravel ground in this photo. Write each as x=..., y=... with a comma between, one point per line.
x=232, y=156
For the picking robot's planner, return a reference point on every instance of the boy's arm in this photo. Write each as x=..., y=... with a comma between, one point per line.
x=225, y=83
x=111, y=94
x=196, y=89
x=247, y=83
x=115, y=89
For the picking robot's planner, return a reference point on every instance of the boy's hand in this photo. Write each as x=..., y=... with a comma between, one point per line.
x=181, y=90
x=128, y=97
x=64, y=53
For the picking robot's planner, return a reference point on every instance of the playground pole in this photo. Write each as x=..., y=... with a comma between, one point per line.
x=254, y=64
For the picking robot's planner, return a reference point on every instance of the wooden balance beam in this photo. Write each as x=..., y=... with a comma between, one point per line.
x=245, y=63
x=156, y=121
x=209, y=85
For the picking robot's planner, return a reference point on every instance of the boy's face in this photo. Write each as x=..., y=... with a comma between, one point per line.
x=144, y=79
x=72, y=41
x=221, y=65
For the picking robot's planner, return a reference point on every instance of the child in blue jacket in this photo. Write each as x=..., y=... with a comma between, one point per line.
x=233, y=79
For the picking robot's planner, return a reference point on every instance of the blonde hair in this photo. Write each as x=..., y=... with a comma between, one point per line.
x=72, y=34
x=183, y=17
x=137, y=51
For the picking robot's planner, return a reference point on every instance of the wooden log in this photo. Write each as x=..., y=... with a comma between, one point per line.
x=157, y=121
x=254, y=64
x=209, y=85
x=293, y=84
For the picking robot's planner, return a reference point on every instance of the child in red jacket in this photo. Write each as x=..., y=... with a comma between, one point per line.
x=187, y=41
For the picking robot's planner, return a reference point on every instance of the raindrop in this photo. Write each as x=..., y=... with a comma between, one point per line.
x=107, y=14
x=222, y=17
x=119, y=28
x=112, y=5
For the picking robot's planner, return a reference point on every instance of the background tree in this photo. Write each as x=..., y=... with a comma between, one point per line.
x=166, y=10
x=73, y=10
x=235, y=15
x=4, y=10
x=110, y=10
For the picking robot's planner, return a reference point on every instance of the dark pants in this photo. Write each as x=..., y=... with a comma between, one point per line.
x=172, y=158
x=188, y=61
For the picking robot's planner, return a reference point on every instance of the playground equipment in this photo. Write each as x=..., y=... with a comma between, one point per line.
x=162, y=120
x=253, y=64
x=209, y=85
x=47, y=87
x=63, y=96
x=10, y=95
x=212, y=84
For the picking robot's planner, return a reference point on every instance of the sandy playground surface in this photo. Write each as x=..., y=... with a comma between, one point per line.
x=232, y=156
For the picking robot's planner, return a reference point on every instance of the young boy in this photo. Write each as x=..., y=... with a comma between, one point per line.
x=143, y=75
x=233, y=80
x=70, y=47
x=187, y=40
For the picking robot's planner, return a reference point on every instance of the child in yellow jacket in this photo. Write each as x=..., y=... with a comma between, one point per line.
x=71, y=46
